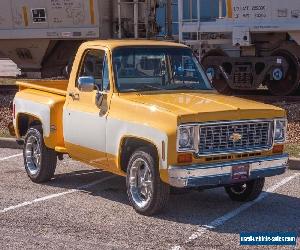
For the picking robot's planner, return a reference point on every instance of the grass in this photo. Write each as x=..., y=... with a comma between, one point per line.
x=293, y=150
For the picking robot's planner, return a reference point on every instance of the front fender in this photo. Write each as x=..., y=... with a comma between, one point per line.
x=117, y=130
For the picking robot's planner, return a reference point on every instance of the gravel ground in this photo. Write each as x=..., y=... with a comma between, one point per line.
x=5, y=113
x=293, y=111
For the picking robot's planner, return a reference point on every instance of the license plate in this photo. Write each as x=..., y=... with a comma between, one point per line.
x=240, y=173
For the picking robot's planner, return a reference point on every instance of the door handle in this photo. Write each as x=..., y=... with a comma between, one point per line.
x=75, y=96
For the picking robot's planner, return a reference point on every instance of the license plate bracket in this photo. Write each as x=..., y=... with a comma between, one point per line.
x=240, y=173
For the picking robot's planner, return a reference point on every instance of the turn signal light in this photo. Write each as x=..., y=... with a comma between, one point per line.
x=185, y=158
x=278, y=149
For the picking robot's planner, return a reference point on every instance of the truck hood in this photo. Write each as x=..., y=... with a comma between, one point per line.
x=205, y=106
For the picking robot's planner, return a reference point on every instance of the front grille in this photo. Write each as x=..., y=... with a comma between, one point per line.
x=236, y=137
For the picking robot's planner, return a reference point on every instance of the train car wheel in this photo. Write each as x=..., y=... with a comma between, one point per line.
x=217, y=79
x=285, y=84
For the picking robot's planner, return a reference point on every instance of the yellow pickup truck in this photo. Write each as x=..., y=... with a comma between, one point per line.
x=146, y=110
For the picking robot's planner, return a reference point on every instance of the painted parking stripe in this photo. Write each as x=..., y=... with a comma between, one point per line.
x=53, y=196
x=10, y=157
x=223, y=219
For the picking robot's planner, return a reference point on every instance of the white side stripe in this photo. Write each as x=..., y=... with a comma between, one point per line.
x=223, y=219
x=10, y=157
x=52, y=196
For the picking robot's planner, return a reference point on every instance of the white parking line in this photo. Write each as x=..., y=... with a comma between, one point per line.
x=223, y=219
x=52, y=196
x=10, y=157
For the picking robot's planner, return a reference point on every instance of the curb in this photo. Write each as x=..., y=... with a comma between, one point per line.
x=294, y=163
x=9, y=143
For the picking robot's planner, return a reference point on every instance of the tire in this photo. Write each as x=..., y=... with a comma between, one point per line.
x=246, y=191
x=146, y=192
x=39, y=161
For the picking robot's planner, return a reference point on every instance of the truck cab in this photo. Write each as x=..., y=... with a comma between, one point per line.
x=145, y=110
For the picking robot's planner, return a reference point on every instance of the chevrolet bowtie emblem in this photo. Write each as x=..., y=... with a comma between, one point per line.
x=235, y=137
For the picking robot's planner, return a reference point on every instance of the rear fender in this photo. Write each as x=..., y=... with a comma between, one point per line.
x=45, y=109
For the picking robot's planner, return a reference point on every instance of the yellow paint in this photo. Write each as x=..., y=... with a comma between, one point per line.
x=92, y=11
x=229, y=8
x=94, y=158
x=51, y=86
x=164, y=175
x=25, y=16
x=201, y=106
x=231, y=157
x=61, y=150
x=112, y=44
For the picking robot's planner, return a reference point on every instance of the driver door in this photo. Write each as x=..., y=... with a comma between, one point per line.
x=84, y=121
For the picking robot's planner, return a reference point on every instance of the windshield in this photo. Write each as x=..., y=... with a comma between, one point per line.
x=153, y=68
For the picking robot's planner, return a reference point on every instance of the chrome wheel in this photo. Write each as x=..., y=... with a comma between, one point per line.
x=239, y=189
x=33, y=155
x=141, y=183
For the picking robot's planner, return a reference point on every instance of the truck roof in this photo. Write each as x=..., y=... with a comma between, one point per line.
x=112, y=44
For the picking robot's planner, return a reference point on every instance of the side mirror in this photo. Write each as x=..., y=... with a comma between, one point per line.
x=86, y=83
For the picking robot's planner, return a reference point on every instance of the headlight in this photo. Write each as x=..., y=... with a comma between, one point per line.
x=186, y=138
x=280, y=129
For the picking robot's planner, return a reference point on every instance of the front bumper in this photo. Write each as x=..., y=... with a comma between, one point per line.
x=220, y=173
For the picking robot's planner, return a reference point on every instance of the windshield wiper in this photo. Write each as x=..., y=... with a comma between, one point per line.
x=150, y=87
x=183, y=87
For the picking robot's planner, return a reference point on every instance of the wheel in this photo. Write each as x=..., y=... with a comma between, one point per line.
x=285, y=85
x=246, y=191
x=40, y=161
x=218, y=80
x=146, y=192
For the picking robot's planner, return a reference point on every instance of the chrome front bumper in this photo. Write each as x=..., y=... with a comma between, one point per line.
x=220, y=173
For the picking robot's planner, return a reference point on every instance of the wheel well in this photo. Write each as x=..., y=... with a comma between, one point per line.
x=26, y=121
x=131, y=144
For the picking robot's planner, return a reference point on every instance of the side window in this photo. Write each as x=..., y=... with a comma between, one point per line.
x=92, y=65
x=106, y=85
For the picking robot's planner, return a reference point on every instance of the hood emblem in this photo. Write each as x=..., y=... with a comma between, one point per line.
x=235, y=137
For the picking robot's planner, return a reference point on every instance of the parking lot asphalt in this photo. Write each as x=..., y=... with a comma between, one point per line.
x=84, y=208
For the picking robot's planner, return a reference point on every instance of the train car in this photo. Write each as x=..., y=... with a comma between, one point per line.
x=249, y=44
x=41, y=36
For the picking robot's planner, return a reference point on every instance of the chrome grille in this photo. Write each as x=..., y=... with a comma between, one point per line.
x=235, y=137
